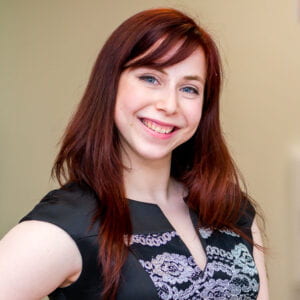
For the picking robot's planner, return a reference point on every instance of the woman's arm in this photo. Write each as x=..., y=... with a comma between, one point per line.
x=260, y=263
x=35, y=258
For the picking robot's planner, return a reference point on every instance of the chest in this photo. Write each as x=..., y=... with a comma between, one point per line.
x=229, y=271
x=184, y=262
x=181, y=222
x=163, y=265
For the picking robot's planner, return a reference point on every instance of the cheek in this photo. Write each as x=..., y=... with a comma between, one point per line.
x=124, y=102
x=130, y=98
x=193, y=114
x=126, y=110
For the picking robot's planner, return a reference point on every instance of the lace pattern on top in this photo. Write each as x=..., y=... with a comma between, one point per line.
x=230, y=272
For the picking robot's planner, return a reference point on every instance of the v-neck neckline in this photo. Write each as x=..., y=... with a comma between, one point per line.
x=148, y=218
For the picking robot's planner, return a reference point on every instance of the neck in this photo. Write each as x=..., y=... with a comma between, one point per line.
x=149, y=181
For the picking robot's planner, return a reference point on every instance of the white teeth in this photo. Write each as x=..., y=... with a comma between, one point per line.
x=157, y=128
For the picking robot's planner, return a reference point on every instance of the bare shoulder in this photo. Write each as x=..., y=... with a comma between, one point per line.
x=260, y=263
x=35, y=258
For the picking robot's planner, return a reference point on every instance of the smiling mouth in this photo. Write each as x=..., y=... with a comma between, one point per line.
x=158, y=127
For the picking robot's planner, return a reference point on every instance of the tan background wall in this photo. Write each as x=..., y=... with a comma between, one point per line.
x=48, y=48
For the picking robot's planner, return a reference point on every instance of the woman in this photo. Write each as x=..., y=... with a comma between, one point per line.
x=150, y=205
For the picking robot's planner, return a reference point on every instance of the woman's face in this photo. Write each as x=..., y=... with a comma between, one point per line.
x=159, y=109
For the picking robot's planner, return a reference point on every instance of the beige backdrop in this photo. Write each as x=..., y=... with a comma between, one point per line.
x=48, y=48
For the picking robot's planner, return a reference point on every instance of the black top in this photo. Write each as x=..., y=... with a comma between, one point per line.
x=159, y=265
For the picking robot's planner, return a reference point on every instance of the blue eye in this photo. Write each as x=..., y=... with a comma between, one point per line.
x=190, y=90
x=149, y=79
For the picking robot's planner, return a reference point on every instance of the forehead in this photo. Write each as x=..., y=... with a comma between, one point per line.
x=165, y=52
x=172, y=52
x=156, y=46
x=193, y=67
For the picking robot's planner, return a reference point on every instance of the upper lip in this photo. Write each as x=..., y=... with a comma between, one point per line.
x=161, y=123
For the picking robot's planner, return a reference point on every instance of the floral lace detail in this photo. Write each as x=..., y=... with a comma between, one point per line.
x=205, y=232
x=178, y=277
x=238, y=288
x=153, y=239
x=244, y=260
x=229, y=232
x=170, y=268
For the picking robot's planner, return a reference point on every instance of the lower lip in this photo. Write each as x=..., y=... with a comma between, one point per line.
x=162, y=136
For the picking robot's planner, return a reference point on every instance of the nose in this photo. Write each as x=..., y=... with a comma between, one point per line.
x=168, y=102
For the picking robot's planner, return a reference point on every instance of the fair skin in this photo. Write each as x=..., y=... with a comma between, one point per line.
x=166, y=115
x=150, y=103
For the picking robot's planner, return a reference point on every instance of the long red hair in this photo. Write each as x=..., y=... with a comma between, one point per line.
x=90, y=150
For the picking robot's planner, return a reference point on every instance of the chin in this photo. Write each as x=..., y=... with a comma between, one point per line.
x=154, y=155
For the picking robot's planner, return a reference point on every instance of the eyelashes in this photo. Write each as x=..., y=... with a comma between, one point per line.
x=154, y=81
x=149, y=79
x=190, y=90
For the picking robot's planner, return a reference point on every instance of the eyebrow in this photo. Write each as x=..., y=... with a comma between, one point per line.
x=194, y=77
